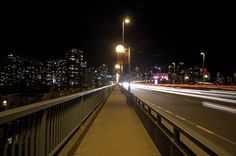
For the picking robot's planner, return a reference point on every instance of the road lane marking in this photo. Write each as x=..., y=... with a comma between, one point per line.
x=221, y=137
x=204, y=129
x=232, y=142
x=180, y=117
x=159, y=107
x=219, y=107
x=168, y=111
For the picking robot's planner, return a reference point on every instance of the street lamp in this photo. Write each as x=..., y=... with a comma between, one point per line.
x=203, y=62
x=129, y=67
x=174, y=74
x=125, y=21
x=117, y=66
x=122, y=49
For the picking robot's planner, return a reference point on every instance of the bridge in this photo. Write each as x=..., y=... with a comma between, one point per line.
x=112, y=121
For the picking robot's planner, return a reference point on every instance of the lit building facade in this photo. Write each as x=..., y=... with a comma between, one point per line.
x=75, y=67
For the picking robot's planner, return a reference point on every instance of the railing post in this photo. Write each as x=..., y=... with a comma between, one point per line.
x=42, y=134
x=128, y=98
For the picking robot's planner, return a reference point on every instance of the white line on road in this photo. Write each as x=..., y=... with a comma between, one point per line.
x=204, y=129
x=180, y=117
x=168, y=111
x=223, y=138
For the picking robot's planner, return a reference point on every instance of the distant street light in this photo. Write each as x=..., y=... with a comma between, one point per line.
x=117, y=78
x=174, y=74
x=4, y=103
x=203, y=62
x=122, y=49
x=129, y=67
x=117, y=66
x=125, y=21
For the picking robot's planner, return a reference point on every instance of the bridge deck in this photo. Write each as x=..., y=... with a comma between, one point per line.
x=117, y=130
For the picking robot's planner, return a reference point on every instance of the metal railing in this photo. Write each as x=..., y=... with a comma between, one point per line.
x=173, y=138
x=44, y=127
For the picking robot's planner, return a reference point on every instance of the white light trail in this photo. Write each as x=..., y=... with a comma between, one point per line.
x=192, y=93
x=219, y=107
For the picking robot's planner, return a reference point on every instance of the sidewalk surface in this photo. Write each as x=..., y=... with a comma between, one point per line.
x=117, y=131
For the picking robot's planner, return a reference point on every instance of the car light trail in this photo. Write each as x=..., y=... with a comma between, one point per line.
x=219, y=107
x=191, y=92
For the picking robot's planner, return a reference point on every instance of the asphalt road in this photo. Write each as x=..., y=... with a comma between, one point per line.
x=211, y=111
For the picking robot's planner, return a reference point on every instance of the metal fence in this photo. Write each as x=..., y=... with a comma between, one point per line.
x=171, y=137
x=43, y=128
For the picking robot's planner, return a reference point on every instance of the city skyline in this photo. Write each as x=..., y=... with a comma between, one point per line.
x=158, y=34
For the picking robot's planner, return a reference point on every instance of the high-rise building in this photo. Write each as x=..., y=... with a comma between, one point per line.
x=55, y=73
x=171, y=73
x=14, y=70
x=31, y=73
x=180, y=72
x=75, y=67
x=176, y=72
x=193, y=75
x=101, y=75
x=20, y=72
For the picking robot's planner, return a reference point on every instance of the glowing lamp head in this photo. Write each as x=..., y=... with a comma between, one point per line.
x=120, y=49
x=117, y=66
x=127, y=20
x=206, y=76
x=4, y=103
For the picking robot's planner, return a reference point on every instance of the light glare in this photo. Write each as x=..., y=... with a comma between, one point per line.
x=117, y=66
x=120, y=49
x=127, y=20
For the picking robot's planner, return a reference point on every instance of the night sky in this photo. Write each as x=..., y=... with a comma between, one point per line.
x=159, y=33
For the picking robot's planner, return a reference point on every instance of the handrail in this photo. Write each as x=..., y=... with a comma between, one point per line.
x=43, y=128
x=18, y=112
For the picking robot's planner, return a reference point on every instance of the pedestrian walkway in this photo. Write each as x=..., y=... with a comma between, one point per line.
x=117, y=131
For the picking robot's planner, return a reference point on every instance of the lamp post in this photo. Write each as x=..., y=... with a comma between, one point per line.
x=129, y=64
x=122, y=49
x=124, y=21
x=174, y=74
x=203, y=62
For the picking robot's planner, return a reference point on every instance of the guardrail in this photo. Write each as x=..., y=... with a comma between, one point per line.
x=170, y=136
x=44, y=127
